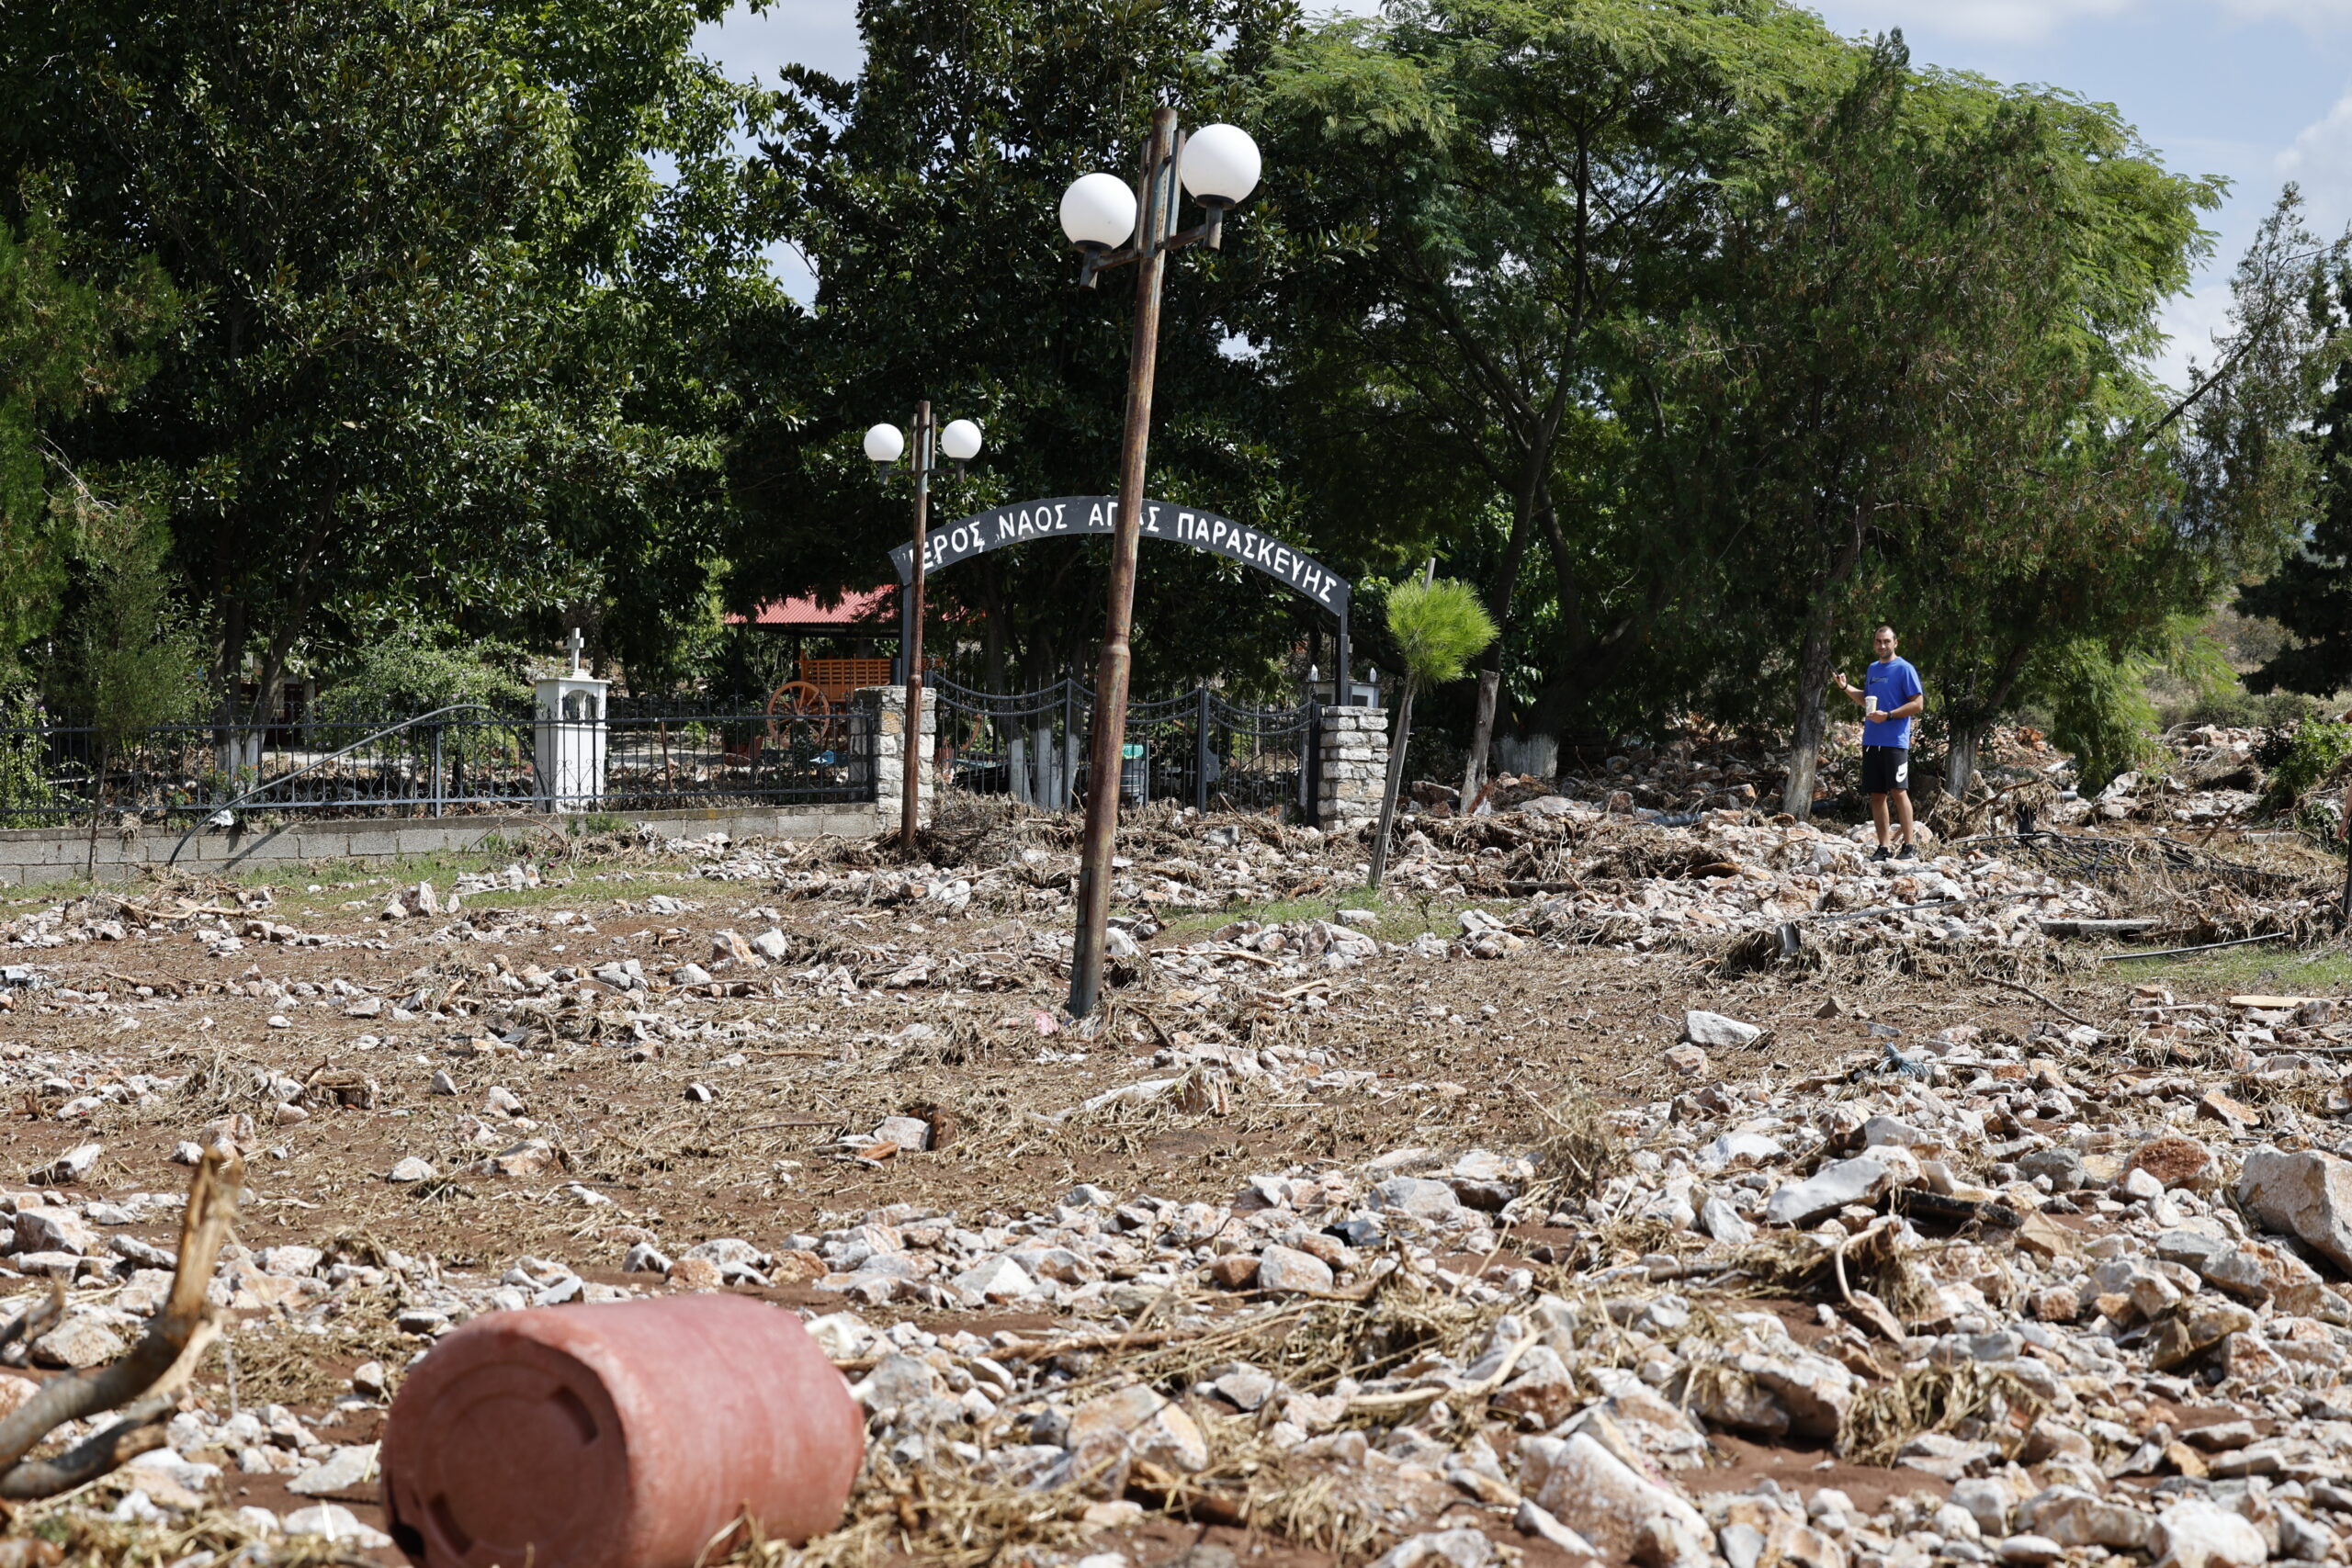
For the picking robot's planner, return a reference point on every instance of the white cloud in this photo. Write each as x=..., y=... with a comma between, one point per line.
x=822, y=33
x=2321, y=162
x=1997, y=21
x=2315, y=15
x=2035, y=21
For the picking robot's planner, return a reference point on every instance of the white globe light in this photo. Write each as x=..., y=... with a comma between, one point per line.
x=884, y=444
x=1220, y=165
x=1098, y=209
x=960, y=440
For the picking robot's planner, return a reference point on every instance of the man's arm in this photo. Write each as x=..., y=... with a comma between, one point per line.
x=1853, y=693
x=1918, y=703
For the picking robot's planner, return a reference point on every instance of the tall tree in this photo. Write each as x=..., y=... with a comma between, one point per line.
x=407, y=378
x=1487, y=192
x=2144, y=504
x=1913, y=308
x=68, y=343
x=924, y=194
x=2311, y=593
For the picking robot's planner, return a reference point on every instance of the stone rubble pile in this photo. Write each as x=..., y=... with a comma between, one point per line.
x=2078, y=1306
x=2109, y=1322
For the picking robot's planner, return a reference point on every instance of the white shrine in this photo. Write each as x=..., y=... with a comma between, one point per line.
x=569, y=736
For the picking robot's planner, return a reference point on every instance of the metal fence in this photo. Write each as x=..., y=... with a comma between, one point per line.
x=1196, y=748
x=639, y=756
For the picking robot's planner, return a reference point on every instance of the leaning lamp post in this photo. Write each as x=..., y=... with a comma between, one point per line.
x=1112, y=226
x=959, y=442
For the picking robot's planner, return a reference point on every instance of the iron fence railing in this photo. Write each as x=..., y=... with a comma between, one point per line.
x=1196, y=748
x=639, y=756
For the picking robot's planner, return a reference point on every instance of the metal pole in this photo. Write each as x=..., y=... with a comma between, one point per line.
x=1118, y=616
x=1063, y=770
x=1341, y=693
x=436, y=770
x=1314, y=759
x=1200, y=756
x=911, y=644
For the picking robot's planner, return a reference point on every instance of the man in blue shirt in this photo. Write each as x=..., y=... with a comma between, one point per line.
x=1890, y=699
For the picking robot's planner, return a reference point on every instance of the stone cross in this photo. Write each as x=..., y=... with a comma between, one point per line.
x=575, y=650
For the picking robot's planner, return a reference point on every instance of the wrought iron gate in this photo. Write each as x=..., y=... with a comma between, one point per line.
x=1196, y=748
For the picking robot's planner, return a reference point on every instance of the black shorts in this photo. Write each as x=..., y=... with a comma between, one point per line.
x=1885, y=769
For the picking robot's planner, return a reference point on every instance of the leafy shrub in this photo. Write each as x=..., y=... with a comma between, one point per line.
x=2300, y=760
x=2098, y=708
x=2234, y=708
x=406, y=675
x=27, y=798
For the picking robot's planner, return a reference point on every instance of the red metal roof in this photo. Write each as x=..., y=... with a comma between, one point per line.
x=875, y=607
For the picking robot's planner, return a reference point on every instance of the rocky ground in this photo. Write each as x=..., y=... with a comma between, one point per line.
x=1661, y=1185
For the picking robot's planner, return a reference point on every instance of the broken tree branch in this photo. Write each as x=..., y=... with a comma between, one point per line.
x=36, y=1319
x=145, y=1379
x=2036, y=996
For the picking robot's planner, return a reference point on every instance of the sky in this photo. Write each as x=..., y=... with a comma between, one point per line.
x=2257, y=91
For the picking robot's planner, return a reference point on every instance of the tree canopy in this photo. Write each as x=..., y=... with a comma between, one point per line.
x=1694, y=337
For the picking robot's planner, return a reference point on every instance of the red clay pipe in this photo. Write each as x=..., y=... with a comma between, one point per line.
x=619, y=1435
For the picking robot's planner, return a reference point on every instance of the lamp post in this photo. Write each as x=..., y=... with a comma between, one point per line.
x=1218, y=164
x=959, y=443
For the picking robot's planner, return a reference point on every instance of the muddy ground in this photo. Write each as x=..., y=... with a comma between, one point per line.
x=286, y=1017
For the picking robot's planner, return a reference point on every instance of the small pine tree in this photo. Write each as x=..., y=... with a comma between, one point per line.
x=1439, y=626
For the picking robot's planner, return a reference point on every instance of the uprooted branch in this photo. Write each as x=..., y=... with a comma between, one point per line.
x=143, y=1384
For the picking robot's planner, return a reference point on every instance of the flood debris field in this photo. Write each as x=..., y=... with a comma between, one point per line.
x=1615, y=1188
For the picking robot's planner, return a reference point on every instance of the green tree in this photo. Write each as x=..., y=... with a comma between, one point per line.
x=923, y=195
x=408, y=383
x=1926, y=290
x=128, y=661
x=68, y=346
x=1438, y=626
x=2142, y=510
x=1480, y=197
x=2311, y=593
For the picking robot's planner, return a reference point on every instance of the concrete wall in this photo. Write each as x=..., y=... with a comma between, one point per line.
x=36, y=855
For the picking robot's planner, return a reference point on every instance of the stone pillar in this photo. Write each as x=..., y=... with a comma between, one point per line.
x=885, y=707
x=1355, y=765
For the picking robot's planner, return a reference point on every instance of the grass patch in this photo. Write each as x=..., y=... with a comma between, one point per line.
x=2276, y=969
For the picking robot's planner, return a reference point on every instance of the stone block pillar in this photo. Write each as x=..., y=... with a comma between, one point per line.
x=886, y=707
x=1354, y=765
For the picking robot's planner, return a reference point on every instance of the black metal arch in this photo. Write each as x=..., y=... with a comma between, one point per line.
x=1068, y=515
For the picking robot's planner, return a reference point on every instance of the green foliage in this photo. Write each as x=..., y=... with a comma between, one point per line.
x=1438, y=626
x=409, y=672
x=2097, y=705
x=2304, y=760
x=27, y=799
x=425, y=369
x=1474, y=206
x=128, y=659
x=2311, y=593
x=69, y=347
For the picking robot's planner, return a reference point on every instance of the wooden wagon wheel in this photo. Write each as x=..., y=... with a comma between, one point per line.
x=802, y=700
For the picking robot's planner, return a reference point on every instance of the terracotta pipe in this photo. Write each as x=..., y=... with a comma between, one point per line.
x=617, y=1435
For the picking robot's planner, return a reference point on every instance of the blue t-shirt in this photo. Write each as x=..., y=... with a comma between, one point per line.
x=1893, y=684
